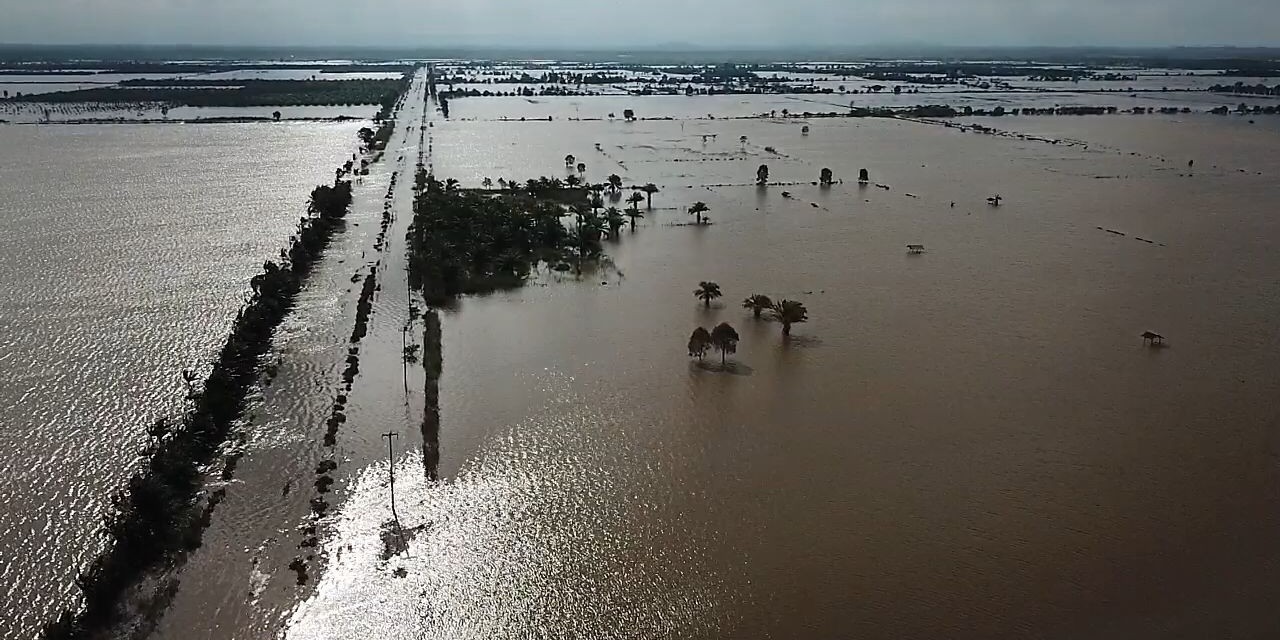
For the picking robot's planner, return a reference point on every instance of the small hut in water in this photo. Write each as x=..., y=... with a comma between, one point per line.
x=1152, y=338
x=915, y=248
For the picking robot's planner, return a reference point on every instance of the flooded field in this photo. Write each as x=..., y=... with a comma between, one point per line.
x=972, y=441
x=128, y=251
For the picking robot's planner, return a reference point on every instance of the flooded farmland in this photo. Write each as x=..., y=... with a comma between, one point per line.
x=970, y=441
x=129, y=250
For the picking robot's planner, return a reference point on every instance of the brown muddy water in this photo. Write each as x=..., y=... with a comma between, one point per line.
x=968, y=443
x=127, y=252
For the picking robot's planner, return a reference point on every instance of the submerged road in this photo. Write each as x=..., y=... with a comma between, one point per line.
x=262, y=553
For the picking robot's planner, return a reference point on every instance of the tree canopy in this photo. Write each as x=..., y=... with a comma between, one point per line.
x=707, y=291
x=725, y=339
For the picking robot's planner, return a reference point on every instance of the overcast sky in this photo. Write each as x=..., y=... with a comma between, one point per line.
x=613, y=23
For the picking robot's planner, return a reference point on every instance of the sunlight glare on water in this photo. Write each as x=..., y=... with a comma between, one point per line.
x=544, y=535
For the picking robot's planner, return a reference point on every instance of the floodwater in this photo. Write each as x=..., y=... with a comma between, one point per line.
x=127, y=252
x=969, y=443
x=35, y=112
x=972, y=442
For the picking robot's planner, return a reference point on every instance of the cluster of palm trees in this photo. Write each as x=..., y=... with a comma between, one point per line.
x=463, y=242
x=786, y=312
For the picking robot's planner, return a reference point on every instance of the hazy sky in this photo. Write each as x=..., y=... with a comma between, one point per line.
x=606, y=23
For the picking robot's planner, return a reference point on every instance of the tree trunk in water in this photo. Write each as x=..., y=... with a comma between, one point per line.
x=786, y=328
x=723, y=356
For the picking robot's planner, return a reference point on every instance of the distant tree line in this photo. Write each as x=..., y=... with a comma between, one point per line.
x=1248, y=89
x=242, y=93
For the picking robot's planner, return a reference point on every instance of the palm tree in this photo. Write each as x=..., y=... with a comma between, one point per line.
x=706, y=292
x=615, y=182
x=757, y=303
x=789, y=312
x=569, y=160
x=699, y=342
x=633, y=214
x=697, y=210
x=573, y=181
x=724, y=338
x=762, y=175
x=596, y=202
x=649, y=190
x=487, y=183
x=635, y=199
x=613, y=217
x=582, y=167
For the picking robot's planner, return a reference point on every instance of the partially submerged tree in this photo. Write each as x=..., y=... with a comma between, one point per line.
x=628, y=115
x=633, y=214
x=487, y=183
x=789, y=312
x=762, y=175
x=650, y=189
x=569, y=160
x=706, y=292
x=697, y=210
x=863, y=176
x=699, y=343
x=582, y=167
x=613, y=218
x=615, y=183
x=635, y=199
x=725, y=339
x=757, y=303
x=826, y=177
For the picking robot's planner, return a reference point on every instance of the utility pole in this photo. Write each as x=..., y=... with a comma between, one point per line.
x=391, y=458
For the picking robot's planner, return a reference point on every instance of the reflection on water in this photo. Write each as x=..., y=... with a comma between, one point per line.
x=126, y=253
x=547, y=534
